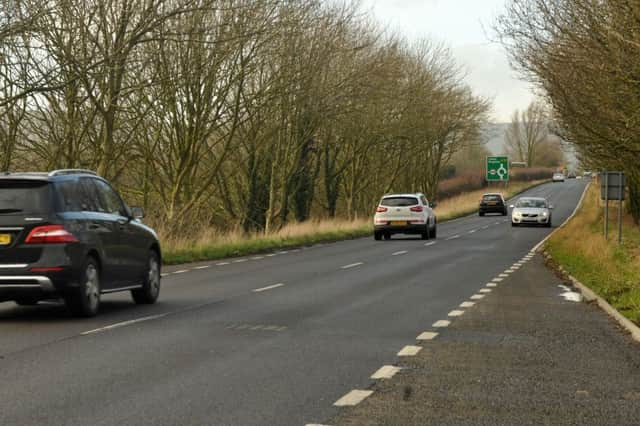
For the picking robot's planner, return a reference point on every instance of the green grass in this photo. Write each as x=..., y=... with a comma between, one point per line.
x=211, y=245
x=609, y=269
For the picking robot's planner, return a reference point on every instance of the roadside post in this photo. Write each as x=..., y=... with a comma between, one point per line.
x=497, y=169
x=612, y=187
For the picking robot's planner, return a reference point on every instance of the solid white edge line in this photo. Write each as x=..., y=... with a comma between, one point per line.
x=354, y=397
x=352, y=265
x=122, y=324
x=269, y=287
x=385, y=372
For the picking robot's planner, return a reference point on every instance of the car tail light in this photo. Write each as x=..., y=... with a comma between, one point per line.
x=50, y=234
x=53, y=269
x=416, y=209
x=381, y=209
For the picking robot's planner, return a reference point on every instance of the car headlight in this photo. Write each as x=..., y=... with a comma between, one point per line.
x=545, y=214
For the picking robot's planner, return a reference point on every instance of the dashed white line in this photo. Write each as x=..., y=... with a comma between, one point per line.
x=353, y=265
x=239, y=261
x=410, y=350
x=269, y=287
x=477, y=297
x=497, y=280
x=429, y=243
x=503, y=275
x=398, y=253
x=202, y=267
x=485, y=290
x=455, y=313
x=473, y=231
x=467, y=304
x=441, y=323
x=257, y=258
x=354, y=397
x=181, y=271
x=485, y=227
x=385, y=372
x=271, y=255
x=454, y=237
x=122, y=324
x=492, y=285
x=222, y=263
x=427, y=335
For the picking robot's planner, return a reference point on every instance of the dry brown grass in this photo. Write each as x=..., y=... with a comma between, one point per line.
x=611, y=270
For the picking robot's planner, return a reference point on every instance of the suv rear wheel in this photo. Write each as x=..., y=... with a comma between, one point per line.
x=150, y=290
x=84, y=301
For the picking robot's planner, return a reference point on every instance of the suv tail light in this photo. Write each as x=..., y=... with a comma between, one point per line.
x=50, y=234
x=416, y=209
x=381, y=209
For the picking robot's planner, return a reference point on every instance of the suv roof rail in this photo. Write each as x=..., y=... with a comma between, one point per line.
x=72, y=172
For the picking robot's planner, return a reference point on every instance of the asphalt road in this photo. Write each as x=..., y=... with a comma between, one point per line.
x=254, y=341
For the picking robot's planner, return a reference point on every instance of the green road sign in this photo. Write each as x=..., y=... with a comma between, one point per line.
x=497, y=169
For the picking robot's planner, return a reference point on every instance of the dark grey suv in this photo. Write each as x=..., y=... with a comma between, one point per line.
x=69, y=234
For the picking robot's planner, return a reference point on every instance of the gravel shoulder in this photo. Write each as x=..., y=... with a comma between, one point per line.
x=521, y=355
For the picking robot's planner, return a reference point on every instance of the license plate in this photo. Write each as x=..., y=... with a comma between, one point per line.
x=5, y=239
x=492, y=203
x=399, y=223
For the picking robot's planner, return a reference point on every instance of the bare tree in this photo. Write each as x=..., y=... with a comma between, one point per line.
x=525, y=134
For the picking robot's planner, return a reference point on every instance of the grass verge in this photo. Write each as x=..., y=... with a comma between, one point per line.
x=609, y=269
x=211, y=245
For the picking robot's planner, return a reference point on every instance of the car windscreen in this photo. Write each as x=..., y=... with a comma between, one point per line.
x=529, y=203
x=491, y=198
x=399, y=201
x=24, y=196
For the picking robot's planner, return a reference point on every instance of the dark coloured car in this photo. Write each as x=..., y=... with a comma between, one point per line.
x=68, y=234
x=492, y=203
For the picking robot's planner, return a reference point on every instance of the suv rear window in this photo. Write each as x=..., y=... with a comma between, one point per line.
x=24, y=196
x=399, y=201
x=491, y=198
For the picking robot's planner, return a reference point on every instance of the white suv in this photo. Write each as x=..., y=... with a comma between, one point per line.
x=404, y=214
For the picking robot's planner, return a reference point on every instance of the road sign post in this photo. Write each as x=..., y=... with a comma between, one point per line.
x=612, y=187
x=497, y=169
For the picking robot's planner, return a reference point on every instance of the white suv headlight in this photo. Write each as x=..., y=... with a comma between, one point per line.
x=545, y=214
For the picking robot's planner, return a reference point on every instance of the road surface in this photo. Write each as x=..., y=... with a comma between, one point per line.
x=262, y=340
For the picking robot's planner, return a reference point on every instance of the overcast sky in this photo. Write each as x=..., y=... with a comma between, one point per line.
x=463, y=26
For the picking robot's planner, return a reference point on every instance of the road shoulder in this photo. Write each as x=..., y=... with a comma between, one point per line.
x=525, y=353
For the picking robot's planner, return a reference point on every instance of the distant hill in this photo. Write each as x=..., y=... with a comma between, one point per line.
x=493, y=134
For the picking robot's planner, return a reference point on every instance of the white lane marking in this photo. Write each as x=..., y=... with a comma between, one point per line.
x=257, y=258
x=515, y=267
x=485, y=227
x=473, y=231
x=222, y=263
x=467, y=304
x=181, y=271
x=271, y=255
x=398, y=253
x=283, y=252
x=353, y=265
x=572, y=296
x=492, y=285
x=122, y=324
x=385, y=372
x=164, y=274
x=410, y=350
x=315, y=424
x=427, y=335
x=497, y=223
x=485, y=290
x=455, y=313
x=239, y=261
x=503, y=275
x=295, y=251
x=202, y=267
x=497, y=280
x=354, y=397
x=269, y=287
x=429, y=244
x=477, y=296
x=453, y=237
x=441, y=323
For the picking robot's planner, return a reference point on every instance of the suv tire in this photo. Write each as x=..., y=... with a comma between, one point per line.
x=150, y=289
x=377, y=235
x=27, y=301
x=426, y=234
x=84, y=301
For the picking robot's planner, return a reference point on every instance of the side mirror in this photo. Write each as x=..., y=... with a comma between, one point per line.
x=550, y=207
x=137, y=212
x=511, y=206
x=433, y=204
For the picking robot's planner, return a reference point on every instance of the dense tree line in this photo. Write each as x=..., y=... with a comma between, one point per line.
x=229, y=113
x=585, y=56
